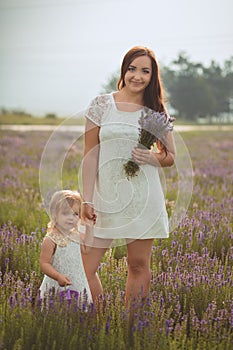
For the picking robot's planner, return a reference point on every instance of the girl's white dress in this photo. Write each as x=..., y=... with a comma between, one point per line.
x=126, y=208
x=67, y=260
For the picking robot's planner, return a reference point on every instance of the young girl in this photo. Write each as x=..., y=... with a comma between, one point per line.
x=60, y=258
x=131, y=209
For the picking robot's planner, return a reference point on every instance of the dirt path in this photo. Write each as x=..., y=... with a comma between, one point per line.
x=80, y=128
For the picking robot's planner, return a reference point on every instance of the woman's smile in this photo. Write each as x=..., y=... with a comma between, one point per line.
x=137, y=82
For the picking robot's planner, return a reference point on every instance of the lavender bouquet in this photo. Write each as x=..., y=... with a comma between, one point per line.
x=153, y=126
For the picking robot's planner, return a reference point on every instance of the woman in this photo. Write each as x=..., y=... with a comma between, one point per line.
x=132, y=208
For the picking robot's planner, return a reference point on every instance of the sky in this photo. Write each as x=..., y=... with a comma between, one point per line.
x=56, y=55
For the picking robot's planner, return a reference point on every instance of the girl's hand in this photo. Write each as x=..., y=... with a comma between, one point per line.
x=144, y=156
x=88, y=212
x=63, y=280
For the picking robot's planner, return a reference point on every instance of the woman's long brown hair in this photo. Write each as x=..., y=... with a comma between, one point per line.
x=153, y=95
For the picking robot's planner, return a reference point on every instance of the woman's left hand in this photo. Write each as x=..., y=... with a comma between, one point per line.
x=88, y=212
x=144, y=156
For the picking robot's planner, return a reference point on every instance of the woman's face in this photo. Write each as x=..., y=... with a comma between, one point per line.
x=138, y=75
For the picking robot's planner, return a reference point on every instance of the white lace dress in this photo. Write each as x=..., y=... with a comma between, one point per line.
x=67, y=260
x=126, y=208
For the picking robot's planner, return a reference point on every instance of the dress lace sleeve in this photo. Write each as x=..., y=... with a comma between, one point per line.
x=62, y=239
x=57, y=238
x=97, y=109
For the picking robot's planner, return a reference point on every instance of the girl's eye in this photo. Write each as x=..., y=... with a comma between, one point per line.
x=146, y=71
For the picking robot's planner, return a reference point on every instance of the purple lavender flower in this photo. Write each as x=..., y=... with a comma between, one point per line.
x=154, y=126
x=107, y=325
x=68, y=295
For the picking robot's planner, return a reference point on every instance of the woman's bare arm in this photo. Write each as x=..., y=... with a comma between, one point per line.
x=90, y=167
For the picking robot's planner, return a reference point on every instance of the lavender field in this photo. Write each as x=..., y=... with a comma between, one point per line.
x=191, y=301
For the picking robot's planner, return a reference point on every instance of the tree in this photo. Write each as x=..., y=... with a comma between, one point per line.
x=198, y=91
x=50, y=116
x=191, y=97
x=111, y=84
x=218, y=84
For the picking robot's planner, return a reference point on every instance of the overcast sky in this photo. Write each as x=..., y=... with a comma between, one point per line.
x=55, y=55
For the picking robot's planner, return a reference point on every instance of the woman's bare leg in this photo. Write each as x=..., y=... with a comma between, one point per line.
x=91, y=262
x=139, y=274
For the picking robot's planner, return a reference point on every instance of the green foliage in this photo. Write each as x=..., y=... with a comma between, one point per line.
x=111, y=84
x=9, y=119
x=198, y=91
x=192, y=97
x=51, y=116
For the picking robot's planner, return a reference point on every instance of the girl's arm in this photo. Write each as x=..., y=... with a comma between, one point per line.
x=47, y=250
x=160, y=158
x=90, y=168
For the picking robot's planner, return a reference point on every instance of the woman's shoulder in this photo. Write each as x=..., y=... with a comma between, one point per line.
x=98, y=108
x=102, y=100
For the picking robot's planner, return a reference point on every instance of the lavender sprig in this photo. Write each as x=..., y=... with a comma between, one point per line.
x=153, y=127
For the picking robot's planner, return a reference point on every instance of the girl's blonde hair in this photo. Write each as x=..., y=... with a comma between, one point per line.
x=60, y=200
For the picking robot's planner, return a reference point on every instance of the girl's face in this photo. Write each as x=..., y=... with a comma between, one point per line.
x=138, y=75
x=67, y=217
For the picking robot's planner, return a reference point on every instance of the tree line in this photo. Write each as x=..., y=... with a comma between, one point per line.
x=194, y=91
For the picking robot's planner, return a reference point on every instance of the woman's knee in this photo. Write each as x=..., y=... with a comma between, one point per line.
x=138, y=266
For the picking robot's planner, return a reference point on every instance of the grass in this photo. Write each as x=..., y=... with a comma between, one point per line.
x=16, y=119
x=191, y=299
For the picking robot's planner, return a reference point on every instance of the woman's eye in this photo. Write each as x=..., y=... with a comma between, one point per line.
x=131, y=69
x=146, y=71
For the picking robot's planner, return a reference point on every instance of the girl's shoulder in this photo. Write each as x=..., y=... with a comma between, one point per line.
x=56, y=237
